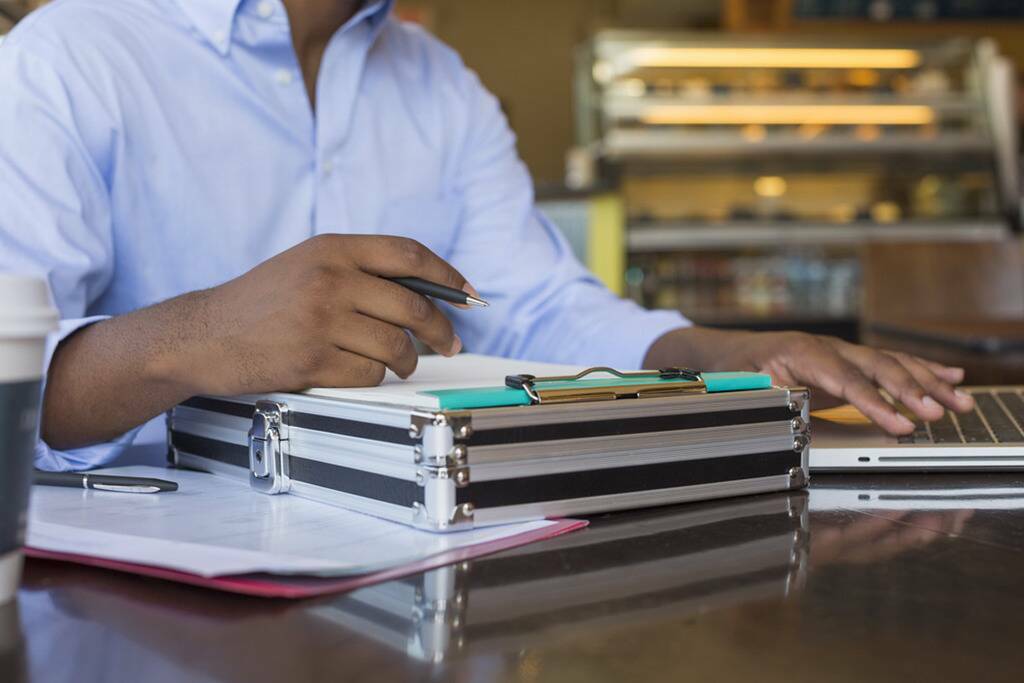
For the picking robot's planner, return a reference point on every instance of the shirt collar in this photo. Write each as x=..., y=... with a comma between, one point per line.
x=215, y=19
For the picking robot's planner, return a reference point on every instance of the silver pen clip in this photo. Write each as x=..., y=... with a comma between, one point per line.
x=125, y=489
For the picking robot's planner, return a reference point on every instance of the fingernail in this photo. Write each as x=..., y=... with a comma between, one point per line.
x=930, y=403
x=966, y=397
x=471, y=290
x=456, y=346
x=904, y=422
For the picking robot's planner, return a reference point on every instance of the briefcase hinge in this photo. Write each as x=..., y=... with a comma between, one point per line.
x=460, y=517
x=797, y=478
x=460, y=424
x=798, y=398
x=453, y=458
x=798, y=425
x=459, y=475
x=268, y=448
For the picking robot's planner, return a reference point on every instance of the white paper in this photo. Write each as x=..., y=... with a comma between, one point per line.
x=213, y=526
x=465, y=371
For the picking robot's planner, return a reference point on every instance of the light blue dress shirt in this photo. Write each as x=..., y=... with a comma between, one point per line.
x=154, y=147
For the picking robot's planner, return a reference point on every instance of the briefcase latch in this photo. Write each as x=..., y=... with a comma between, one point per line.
x=268, y=448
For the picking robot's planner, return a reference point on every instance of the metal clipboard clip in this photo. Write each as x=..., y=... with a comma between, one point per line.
x=532, y=385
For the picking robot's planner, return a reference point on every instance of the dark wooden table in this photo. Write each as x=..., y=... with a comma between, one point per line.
x=834, y=586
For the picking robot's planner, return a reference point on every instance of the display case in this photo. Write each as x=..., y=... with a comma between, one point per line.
x=753, y=169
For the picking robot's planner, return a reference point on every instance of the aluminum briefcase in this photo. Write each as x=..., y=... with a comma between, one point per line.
x=444, y=470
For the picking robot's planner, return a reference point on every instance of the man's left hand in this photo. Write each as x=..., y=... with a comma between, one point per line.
x=852, y=373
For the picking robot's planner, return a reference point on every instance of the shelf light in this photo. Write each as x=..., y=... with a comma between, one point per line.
x=770, y=186
x=788, y=114
x=809, y=131
x=773, y=57
x=753, y=132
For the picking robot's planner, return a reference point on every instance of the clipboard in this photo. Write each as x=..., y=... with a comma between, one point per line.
x=525, y=389
x=525, y=445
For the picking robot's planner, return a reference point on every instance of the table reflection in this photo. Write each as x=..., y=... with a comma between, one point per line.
x=901, y=512
x=12, y=643
x=890, y=563
x=624, y=568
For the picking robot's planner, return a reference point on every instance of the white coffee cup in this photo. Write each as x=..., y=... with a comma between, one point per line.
x=26, y=317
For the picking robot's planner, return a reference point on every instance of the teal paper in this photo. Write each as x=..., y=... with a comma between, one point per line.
x=497, y=397
x=491, y=397
x=735, y=381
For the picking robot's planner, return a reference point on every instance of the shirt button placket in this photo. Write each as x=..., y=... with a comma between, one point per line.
x=283, y=77
x=221, y=39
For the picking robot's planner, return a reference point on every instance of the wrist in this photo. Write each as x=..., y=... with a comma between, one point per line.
x=696, y=347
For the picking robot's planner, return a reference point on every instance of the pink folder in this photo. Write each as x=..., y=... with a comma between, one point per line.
x=274, y=586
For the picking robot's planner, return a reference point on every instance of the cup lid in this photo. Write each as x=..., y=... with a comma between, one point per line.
x=25, y=308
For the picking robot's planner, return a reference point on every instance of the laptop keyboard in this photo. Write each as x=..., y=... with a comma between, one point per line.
x=997, y=418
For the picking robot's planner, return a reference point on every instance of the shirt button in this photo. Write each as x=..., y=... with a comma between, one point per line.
x=264, y=9
x=283, y=76
x=327, y=167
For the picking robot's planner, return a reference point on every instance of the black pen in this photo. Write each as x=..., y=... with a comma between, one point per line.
x=455, y=296
x=104, y=482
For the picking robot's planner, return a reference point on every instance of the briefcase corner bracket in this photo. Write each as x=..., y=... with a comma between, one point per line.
x=268, y=448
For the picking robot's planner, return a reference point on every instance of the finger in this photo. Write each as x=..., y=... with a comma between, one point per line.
x=387, y=256
x=936, y=387
x=825, y=368
x=391, y=303
x=341, y=368
x=947, y=373
x=890, y=374
x=379, y=341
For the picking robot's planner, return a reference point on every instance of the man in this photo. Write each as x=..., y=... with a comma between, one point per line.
x=213, y=189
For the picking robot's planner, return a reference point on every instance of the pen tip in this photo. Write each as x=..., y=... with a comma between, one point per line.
x=473, y=301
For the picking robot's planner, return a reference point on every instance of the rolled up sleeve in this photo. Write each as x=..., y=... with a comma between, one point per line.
x=544, y=304
x=55, y=218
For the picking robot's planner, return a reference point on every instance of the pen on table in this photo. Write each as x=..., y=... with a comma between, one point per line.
x=455, y=296
x=103, y=482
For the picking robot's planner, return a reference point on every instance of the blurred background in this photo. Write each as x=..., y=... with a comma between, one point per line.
x=839, y=166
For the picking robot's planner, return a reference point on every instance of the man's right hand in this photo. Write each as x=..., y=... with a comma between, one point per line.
x=322, y=314
x=319, y=314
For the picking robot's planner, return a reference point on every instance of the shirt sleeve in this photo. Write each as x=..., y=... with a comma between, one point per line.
x=55, y=222
x=544, y=304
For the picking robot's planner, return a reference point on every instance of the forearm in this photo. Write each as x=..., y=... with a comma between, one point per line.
x=116, y=374
x=702, y=348
x=294, y=321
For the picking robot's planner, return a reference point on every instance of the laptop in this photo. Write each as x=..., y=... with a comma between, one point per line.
x=991, y=437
